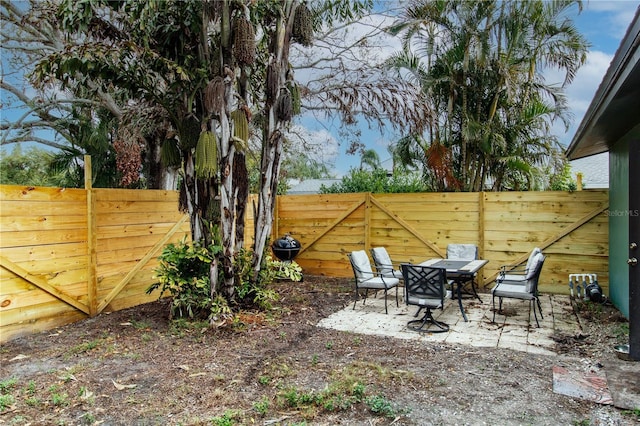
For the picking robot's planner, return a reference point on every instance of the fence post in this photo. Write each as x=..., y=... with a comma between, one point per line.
x=367, y=221
x=92, y=282
x=481, y=228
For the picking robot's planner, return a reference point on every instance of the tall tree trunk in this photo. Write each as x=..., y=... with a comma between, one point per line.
x=273, y=139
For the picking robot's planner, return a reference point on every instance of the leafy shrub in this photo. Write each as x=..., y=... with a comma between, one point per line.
x=184, y=274
x=376, y=181
x=254, y=291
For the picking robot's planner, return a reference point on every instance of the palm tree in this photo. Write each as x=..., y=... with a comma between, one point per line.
x=480, y=65
x=370, y=158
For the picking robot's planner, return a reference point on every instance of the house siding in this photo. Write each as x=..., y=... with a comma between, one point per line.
x=619, y=223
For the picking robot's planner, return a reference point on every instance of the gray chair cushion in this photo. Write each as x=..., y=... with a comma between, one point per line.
x=513, y=291
x=462, y=251
x=379, y=283
x=532, y=256
x=383, y=263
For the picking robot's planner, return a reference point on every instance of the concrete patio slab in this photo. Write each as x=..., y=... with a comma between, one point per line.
x=515, y=330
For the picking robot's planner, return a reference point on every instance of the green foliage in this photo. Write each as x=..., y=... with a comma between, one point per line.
x=254, y=291
x=184, y=273
x=483, y=79
x=634, y=414
x=30, y=168
x=227, y=419
x=6, y=397
x=376, y=181
x=262, y=406
x=7, y=385
x=381, y=406
x=339, y=396
x=6, y=400
x=563, y=181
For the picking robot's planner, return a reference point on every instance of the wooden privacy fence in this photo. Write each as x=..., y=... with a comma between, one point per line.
x=67, y=254
x=571, y=229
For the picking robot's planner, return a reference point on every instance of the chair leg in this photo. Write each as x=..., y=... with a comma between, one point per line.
x=532, y=305
x=386, y=311
x=493, y=302
x=539, y=307
x=475, y=292
x=356, y=298
x=423, y=324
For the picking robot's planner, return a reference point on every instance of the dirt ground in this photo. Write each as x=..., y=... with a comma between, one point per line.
x=135, y=367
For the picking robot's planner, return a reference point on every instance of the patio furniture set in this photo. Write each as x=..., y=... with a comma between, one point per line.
x=427, y=285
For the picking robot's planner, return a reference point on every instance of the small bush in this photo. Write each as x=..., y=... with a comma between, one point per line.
x=184, y=274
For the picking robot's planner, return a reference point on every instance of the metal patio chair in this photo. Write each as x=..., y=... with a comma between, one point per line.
x=366, y=279
x=464, y=252
x=383, y=263
x=425, y=287
x=523, y=290
x=517, y=274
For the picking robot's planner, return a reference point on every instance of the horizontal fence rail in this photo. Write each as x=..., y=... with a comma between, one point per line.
x=68, y=254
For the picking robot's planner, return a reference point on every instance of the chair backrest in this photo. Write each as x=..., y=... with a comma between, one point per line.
x=382, y=259
x=462, y=251
x=533, y=275
x=361, y=265
x=533, y=254
x=423, y=283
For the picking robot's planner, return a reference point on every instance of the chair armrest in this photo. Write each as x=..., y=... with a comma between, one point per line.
x=373, y=274
x=389, y=265
x=512, y=269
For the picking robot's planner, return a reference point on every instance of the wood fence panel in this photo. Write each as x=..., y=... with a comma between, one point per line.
x=145, y=219
x=69, y=253
x=572, y=228
x=43, y=263
x=327, y=226
x=45, y=260
x=515, y=222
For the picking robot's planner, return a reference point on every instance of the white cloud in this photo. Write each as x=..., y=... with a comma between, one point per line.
x=319, y=145
x=581, y=91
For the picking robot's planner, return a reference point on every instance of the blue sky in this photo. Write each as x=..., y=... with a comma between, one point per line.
x=602, y=22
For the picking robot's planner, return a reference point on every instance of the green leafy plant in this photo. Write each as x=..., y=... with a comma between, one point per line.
x=184, y=274
x=262, y=406
x=8, y=385
x=58, y=399
x=376, y=181
x=227, y=419
x=254, y=290
x=264, y=380
x=31, y=388
x=380, y=406
x=6, y=401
